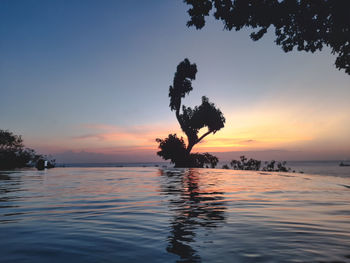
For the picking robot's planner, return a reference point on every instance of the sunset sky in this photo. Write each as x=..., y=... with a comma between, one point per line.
x=87, y=81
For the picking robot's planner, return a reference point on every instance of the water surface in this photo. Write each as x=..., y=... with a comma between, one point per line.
x=172, y=215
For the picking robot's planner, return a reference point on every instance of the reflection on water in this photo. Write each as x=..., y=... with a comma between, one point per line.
x=9, y=185
x=176, y=215
x=195, y=210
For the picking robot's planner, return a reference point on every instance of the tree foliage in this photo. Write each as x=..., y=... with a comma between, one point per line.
x=13, y=154
x=305, y=24
x=245, y=164
x=173, y=149
x=254, y=165
x=8, y=140
x=225, y=166
x=274, y=166
x=191, y=121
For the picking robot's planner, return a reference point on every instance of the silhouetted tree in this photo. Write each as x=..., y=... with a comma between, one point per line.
x=13, y=154
x=173, y=149
x=304, y=24
x=191, y=120
x=254, y=165
x=12, y=151
x=225, y=166
x=200, y=159
x=280, y=166
x=8, y=140
x=245, y=164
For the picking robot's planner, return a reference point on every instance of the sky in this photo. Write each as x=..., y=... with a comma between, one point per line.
x=87, y=81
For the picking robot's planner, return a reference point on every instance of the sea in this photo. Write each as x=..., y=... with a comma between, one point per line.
x=152, y=212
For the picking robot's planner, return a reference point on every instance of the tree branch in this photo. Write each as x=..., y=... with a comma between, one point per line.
x=177, y=113
x=190, y=145
x=205, y=134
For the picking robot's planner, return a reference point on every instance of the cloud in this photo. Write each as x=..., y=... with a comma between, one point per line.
x=89, y=136
x=251, y=135
x=117, y=136
x=98, y=157
x=248, y=141
x=229, y=140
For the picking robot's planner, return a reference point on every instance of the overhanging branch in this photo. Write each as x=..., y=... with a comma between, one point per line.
x=205, y=134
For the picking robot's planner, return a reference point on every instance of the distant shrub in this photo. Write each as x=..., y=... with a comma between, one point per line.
x=274, y=166
x=245, y=164
x=254, y=165
x=225, y=166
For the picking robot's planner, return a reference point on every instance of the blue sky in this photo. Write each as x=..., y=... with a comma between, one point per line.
x=93, y=76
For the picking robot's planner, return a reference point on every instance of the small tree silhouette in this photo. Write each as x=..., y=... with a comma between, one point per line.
x=245, y=164
x=191, y=122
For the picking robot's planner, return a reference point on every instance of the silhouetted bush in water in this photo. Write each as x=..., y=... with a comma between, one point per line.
x=274, y=166
x=191, y=121
x=254, y=165
x=13, y=154
x=225, y=166
x=306, y=25
x=245, y=164
x=199, y=159
x=173, y=149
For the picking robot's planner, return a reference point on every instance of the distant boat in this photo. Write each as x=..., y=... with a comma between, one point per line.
x=344, y=164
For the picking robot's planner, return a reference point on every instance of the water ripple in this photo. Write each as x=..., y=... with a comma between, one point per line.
x=172, y=215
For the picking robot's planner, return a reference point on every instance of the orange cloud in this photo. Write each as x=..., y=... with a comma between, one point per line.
x=117, y=137
x=265, y=126
x=251, y=133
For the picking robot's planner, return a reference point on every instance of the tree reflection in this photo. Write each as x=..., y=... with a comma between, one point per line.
x=10, y=188
x=8, y=185
x=195, y=209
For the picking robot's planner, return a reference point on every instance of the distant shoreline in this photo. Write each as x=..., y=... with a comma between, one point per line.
x=140, y=164
x=327, y=168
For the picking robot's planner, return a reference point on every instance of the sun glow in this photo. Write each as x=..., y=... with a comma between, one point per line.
x=257, y=129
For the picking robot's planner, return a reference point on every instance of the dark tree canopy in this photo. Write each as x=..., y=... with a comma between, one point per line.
x=13, y=154
x=8, y=140
x=173, y=149
x=305, y=24
x=185, y=72
x=191, y=120
x=12, y=151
